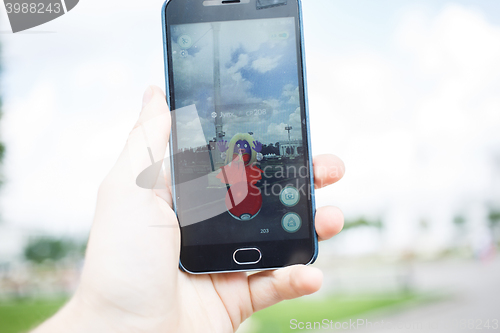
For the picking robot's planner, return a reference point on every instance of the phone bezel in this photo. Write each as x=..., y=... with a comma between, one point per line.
x=217, y=258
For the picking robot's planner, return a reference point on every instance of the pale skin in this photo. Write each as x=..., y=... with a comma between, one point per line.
x=131, y=281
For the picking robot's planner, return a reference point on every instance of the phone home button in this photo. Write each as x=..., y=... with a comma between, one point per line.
x=247, y=256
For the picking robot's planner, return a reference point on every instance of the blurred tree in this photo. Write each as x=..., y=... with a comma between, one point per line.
x=423, y=224
x=362, y=222
x=461, y=237
x=269, y=149
x=41, y=249
x=459, y=221
x=2, y=147
x=494, y=217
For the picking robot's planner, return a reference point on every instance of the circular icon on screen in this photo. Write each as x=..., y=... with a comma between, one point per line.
x=185, y=42
x=289, y=196
x=291, y=222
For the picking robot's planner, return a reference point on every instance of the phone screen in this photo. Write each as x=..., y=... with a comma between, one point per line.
x=240, y=149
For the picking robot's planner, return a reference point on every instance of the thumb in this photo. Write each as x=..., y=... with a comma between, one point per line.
x=146, y=143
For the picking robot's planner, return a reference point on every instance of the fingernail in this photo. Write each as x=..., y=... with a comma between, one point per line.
x=148, y=95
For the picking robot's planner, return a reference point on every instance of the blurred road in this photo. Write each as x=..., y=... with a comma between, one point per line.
x=474, y=305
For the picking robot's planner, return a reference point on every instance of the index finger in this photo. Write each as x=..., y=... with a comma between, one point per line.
x=328, y=169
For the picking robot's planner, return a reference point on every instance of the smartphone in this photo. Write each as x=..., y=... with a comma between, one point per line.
x=242, y=182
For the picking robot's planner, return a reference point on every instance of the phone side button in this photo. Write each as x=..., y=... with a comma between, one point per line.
x=247, y=256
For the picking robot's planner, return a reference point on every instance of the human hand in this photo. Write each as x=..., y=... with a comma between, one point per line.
x=131, y=281
x=257, y=146
x=222, y=146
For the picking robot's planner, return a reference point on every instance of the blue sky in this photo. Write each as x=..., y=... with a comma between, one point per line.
x=257, y=71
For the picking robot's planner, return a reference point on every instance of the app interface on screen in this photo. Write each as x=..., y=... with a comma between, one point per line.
x=239, y=154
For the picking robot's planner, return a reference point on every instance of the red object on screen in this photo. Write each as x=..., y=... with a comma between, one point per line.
x=243, y=198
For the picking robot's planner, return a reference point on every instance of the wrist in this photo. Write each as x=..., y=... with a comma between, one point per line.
x=76, y=317
x=81, y=315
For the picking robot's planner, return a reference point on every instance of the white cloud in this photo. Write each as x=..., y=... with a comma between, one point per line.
x=277, y=131
x=190, y=122
x=416, y=122
x=265, y=64
x=459, y=49
x=273, y=103
x=29, y=117
x=291, y=93
x=295, y=118
x=241, y=63
x=458, y=39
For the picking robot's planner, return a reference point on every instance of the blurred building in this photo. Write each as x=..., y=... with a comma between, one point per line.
x=291, y=148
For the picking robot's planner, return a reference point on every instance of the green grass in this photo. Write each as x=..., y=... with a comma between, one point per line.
x=277, y=318
x=23, y=315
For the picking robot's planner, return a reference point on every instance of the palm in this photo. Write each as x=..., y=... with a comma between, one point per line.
x=148, y=273
x=131, y=266
x=222, y=304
